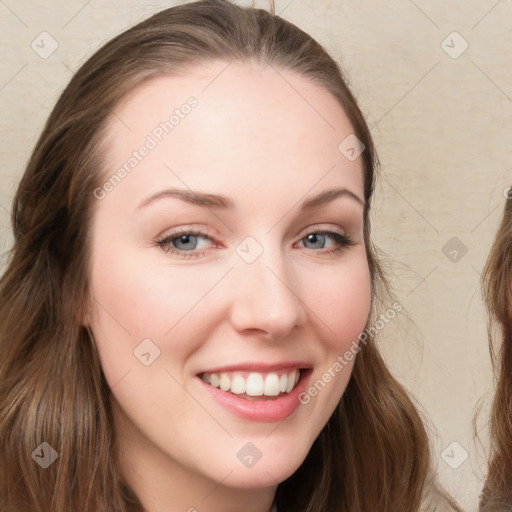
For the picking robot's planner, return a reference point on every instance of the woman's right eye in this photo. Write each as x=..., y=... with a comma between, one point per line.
x=185, y=243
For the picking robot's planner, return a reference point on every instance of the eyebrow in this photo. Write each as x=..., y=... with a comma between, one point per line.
x=197, y=198
x=217, y=202
x=330, y=195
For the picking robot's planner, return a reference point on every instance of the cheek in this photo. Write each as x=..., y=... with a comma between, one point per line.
x=137, y=299
x=342, y=299
x=144, y=297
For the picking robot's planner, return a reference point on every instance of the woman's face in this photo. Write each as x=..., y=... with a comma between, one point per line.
x=221, y=263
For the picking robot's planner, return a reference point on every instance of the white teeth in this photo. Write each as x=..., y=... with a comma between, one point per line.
x=256, y=384
x=272, y=385
x=225, y=382
x=283, y=383
x=291, y=383
x=238, y=385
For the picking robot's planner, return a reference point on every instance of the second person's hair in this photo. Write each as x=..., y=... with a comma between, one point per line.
x=497, y=284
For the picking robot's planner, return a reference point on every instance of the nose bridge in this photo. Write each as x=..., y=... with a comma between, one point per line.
x=264, y=289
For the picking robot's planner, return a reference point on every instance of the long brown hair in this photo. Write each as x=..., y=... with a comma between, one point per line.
x=373, y=454
x=497, y=286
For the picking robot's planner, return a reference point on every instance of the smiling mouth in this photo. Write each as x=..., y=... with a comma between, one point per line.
x=255, y=385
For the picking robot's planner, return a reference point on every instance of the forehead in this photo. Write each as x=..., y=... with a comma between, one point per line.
x=250, y=123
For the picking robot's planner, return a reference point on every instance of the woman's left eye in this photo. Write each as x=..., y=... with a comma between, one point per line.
x=192, y=244
x=319, y=239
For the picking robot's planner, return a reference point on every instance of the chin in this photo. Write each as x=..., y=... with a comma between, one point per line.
x=277, y=464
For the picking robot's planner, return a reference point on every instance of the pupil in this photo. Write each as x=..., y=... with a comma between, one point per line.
x=185, y=242
x=316, y=239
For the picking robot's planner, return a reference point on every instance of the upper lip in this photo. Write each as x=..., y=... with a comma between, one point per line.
x=259, y=367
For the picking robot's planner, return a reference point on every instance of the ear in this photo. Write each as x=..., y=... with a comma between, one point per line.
x=85, y=315
x=85, y=321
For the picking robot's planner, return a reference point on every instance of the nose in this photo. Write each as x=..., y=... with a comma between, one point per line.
x=265, y=297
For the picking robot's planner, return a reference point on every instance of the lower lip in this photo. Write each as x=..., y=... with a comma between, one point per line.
x=266, y=411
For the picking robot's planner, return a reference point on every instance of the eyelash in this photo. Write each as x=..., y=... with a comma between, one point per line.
x=343, y=241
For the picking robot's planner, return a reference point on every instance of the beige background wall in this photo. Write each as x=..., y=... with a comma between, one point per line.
x=442, y=120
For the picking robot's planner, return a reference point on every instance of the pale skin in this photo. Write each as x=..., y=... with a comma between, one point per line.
x=254, y=140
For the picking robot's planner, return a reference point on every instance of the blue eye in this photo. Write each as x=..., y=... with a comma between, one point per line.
x=186, y=242
x=319, y=239
x=316, y=239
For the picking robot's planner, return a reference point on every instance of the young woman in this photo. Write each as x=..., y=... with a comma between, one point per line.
x=187, y=316
x=497, y=279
